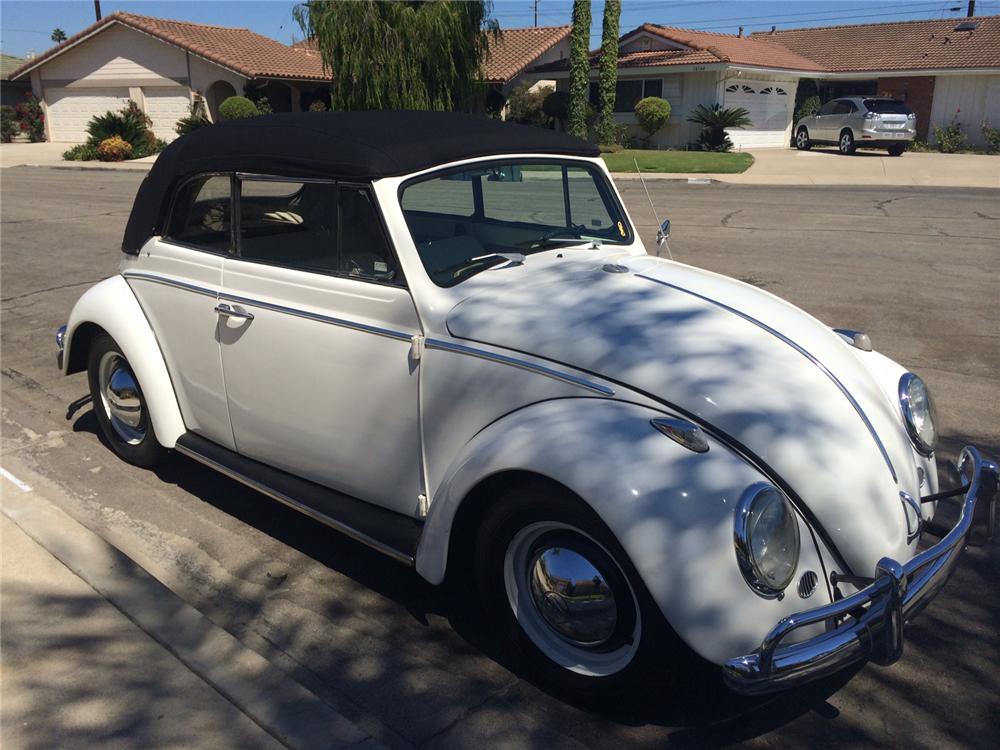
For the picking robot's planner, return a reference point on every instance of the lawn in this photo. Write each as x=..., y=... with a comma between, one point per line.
x=678, y=161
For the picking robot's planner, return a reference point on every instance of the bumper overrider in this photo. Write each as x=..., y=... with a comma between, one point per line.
x=869, y=624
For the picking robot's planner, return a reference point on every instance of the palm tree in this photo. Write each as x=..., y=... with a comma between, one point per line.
x=58, y=35
x=714, y=121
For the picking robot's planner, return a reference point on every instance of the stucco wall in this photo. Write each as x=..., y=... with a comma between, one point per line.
x=969, y=99
x=117, y=56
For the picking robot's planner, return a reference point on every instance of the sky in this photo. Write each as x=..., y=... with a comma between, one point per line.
x=26, y=25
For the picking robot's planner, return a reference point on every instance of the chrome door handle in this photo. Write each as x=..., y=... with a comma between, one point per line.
x=233, y=312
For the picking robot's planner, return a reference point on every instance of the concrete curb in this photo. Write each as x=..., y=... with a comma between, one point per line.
x=694, y=179
x=270, y=698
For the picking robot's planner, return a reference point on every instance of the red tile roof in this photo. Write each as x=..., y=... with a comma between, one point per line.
x=739, y=50
x=902, y=45
x=513, y=50
x=241, y=50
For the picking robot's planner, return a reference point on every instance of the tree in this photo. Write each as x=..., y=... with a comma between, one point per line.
x=652, y=114
x=527, y=107
x=556, y=106
x=58, y=35
x=714, y=120
x=401, y=55
x=579, y=68
x=608, y=71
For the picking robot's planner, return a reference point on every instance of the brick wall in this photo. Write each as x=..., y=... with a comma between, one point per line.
x=917, y=92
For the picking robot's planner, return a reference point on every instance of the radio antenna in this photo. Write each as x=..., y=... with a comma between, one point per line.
x=661, y=239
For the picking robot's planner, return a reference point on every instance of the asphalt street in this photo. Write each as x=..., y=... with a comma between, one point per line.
x=914, y=267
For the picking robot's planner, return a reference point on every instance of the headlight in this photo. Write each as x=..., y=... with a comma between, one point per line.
x=918, y=412
x=767, y=539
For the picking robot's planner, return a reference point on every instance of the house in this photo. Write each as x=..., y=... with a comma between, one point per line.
x=165, y=65
x=162, y=65
x=942, y=68
x=11, y=92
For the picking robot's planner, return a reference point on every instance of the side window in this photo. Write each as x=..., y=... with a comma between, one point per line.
x=842, y=108
x=202, y=214
x=364, y=249
x=292, y=224
x=827, y=109
x=450, y=195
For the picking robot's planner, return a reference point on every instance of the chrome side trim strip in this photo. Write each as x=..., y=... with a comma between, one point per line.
x=167, y=281
x=296, y=505
x=823, y=368
x=319, y=318
x=451, y=346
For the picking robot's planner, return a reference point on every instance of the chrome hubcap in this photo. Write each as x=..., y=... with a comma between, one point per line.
x=120, y=398
x=572, y=599
x=802, y=138
x=845, y=142
x=572, y=596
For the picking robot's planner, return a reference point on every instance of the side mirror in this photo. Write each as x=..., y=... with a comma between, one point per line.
x=663, y=233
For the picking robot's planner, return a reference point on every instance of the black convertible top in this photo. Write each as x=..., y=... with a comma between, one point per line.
x=358, y=145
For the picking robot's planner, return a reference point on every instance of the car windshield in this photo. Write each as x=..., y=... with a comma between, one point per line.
x=468, y=220
x=887, y=107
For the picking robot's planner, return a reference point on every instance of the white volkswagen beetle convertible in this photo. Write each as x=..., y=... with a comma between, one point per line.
x=440, y=335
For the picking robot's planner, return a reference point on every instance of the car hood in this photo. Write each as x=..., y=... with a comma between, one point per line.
x=751, y=365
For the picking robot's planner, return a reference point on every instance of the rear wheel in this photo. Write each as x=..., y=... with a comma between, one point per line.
x=802, y=142
x=119, y=405
x=566, y=601
x=846, y=142
x=897, y=149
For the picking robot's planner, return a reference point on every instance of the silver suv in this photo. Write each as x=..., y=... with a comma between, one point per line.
x=859, y=122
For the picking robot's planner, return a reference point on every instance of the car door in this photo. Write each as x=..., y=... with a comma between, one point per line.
x=176, y=279
x=316, y=332
x=823, y=122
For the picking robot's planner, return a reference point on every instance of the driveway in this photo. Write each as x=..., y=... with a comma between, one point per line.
x=408, y=663
x=826, y=166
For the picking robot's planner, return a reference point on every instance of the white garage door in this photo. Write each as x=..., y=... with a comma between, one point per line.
x=769, y=105
x=71, y=109
x=165, y=106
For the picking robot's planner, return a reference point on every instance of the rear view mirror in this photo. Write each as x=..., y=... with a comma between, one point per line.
x=663, y=233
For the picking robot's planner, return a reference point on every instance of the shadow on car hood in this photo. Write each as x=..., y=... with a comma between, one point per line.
x=753, y=366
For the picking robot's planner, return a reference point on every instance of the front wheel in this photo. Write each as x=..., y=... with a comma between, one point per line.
x=846, y=142
x=897, y=149
x=119, y=405
x=565, y=599
x=802, y=142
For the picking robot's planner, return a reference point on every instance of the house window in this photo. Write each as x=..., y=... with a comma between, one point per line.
x=628, y=92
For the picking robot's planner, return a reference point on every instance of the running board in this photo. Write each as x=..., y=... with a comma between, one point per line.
x=391, y=533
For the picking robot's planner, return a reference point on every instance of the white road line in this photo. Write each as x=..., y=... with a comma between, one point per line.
x=23, y=486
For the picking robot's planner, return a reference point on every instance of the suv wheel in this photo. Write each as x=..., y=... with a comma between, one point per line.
x=847, y=142
x=802, y=142
x=119, y=405
x=897, y=149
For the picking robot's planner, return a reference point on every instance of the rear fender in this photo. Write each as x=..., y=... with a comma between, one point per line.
x=671, y=509
x=111, y=305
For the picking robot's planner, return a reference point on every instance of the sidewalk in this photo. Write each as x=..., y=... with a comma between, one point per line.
x=50, y=155
x=118, y=661
x=824, y=166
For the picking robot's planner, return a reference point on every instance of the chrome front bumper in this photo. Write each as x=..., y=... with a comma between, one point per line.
x=869, y=624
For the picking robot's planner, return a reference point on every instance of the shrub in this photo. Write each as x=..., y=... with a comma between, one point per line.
x=114, y=148
x=919, y=147
x=83, y=152
x=196, y=118
x=525, y=106
x=808, y=108
x=556, y=106
x=714, y=120
x=652, y=114
x=951, y=138
x=992, y=137
x=8, y=124
x=30, y=117
x=130, y=124
x=237, y=108
x=318, y=106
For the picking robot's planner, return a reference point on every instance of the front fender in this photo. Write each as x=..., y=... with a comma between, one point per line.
x=671, y=509
x=112, y=305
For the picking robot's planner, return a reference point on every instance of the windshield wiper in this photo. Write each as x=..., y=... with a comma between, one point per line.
x=513, y=259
